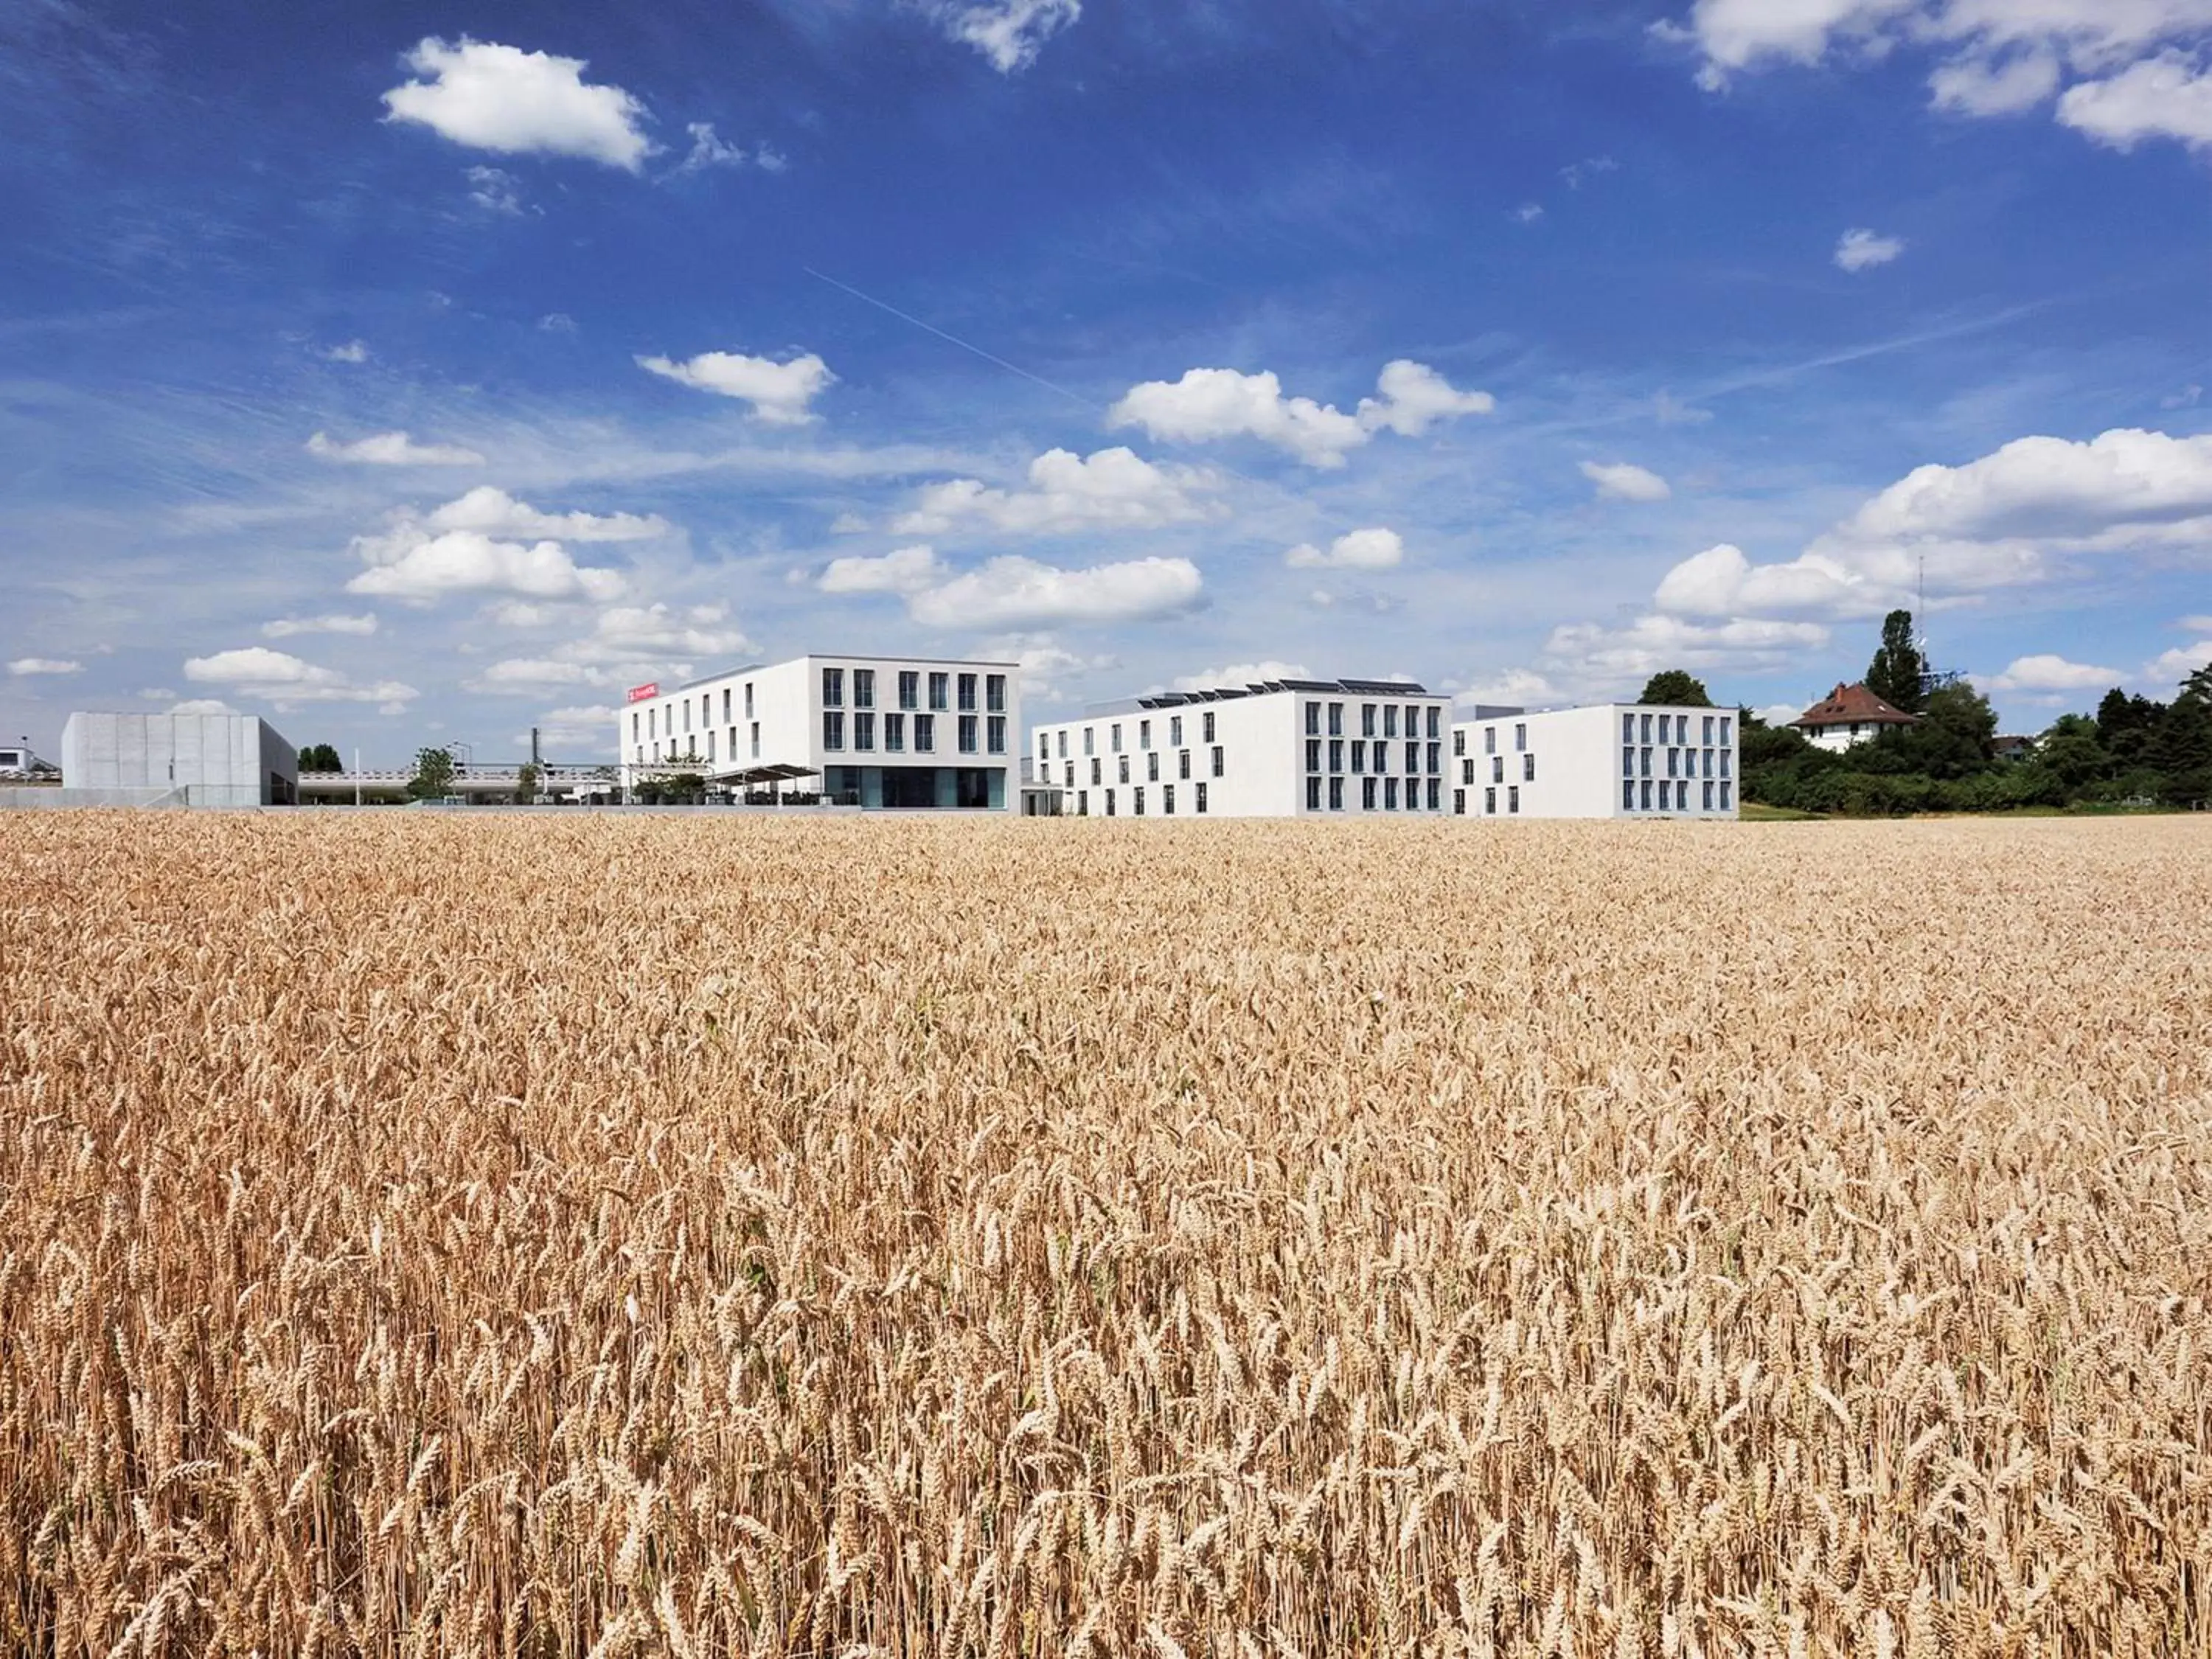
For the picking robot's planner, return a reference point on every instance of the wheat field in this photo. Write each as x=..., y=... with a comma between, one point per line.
x=556, y=1234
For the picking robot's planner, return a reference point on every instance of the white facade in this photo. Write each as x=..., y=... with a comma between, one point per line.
x=18, y=763
x=876, y=732
x=214, y=760
x=1605, y=761
x=1280, y=749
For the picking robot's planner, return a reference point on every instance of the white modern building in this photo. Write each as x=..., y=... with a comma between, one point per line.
x=20, y=765
x=1609, y=760
x=203, y=760
x=876, y=732
x=1273, y=749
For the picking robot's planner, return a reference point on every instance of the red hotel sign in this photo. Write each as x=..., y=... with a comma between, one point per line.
x=639, y=693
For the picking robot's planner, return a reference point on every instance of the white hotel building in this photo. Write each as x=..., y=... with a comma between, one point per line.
x=878, y=732
x=1277, y=749
x=1605, y=761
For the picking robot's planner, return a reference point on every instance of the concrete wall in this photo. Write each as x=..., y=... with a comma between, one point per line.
x=28, y=800
x=217, y=760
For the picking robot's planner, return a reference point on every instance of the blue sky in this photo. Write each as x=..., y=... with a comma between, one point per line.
x=427, y=373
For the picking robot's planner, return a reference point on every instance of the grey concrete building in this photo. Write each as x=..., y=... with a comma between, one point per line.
x=203, y=760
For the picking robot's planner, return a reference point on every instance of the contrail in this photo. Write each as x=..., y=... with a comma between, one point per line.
x=1011, y=368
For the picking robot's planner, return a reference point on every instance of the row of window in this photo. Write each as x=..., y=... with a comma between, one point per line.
x=1381, y=754
x=1368, y=713
x=1498, y=768
x=1680, y=725
x=909, y=689
x=1636, y=795
x=1220, y=759
x=925, y=733
x=1681, y=763
x=646, y=726
x=1137, y=799
x=690, y=748
x=1490, y=739
x=1376, y=794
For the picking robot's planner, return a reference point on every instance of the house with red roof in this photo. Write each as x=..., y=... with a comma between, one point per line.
x=1849, y=715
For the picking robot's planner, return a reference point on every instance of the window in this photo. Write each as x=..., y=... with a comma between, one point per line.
x=1724, y=797
x=995, y=734
x=1183, y=763
x=1709, y=731
x=1201, y=795
x=1366, y=719
x=1390, y=720
x=1725, y=763
x=1513, y=798
x=636, y=726
x=1520, y=737
x=1044, y=746
x=1672, y=755
x=1123, y=762
x=1151, y=766
x=1206, y=726
x=1167, y=799
x=1095, y=778
x=1498, y=768
x=1114, y=738
x=864, y=688
x=1436, y=758
x=1109, y=803
x=1313, y=793
x=687, y=714
x=1489, y=802
x=1459, y=803
x=710, y=753
x=1336, y=794
x=1336, y=754
x=1489, y=739
x=1647, y=730
x=733, y=743
x=1435, y=794
x=1459, y=744
x=910, y=689
x=1528, y=769
x=1628, y=794
x=833, y=730
x=1643, y=802
x=895, y=733
x=749, y=699
x=863, y=728
x=1140, y=805
x=1313, y=751
x=1708, y=797
x=967, y=694
x=1389, y=794
x=1708, y=769
x=1068, y=772
x=1359, y=753
x=1466, y=770
x=924, y=734
x=967, y=734
x=833, y=686
x=1083, y=803
x=1367, y=794
x=1336, y=720
x=1436, y=721
x=756, y=733
x=1089, y=740
x=1063, y=743
x=1628, y=728
x=1644, y=763
x=1219, y=764
x=652, y=722
x=1412, y=758
x=725, y=705
x=1144, y=734
x=1313, y=720
x=1724, y=737
x=994, y=694
x=1175, y=731
x=940, y=686
x=1628, y=763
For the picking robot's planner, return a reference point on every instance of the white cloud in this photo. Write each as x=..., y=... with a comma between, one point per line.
x=1862, y=250
x=1358, y=549
x=1211, y=404
x=200, y=706
x=2045, y=671
x=2168, y=96
x=497, y=190
x=521, y=613
x=1018, y=592
x=285, y=627
x=25, y=667
x=277, y=677
x=1669, y=410
x=627, y=644
x=1009, y=32
x=709, y=151
x=420, y=568
x=1521, y=687
x=1241, y=673
x=155, y=694
x=488, y=96
x=1528, y=212
x=2195, y=624
x=1973, y=86
x=778, y=392
x=1722, y=582
x=1620, y=480
x=1780, y=714
x=908, y=570
x=556, y=322
x=1111, y=489
x=391, y=449
x=1047, y=666
x=586, y=726
x=494, y=513
x=352, y=351
x=1613, y=656
x=2170, y=668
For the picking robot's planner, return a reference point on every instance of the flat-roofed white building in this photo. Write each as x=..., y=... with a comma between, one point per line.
x=1274, y=749
x=1609, y=760
x=204, y=760
x=878, y=732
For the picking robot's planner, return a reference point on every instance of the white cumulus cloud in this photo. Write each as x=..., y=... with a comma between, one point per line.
x=494, y=513
x=488, y=96
x=391, y=449
x=1207, y=404
x=2046, y=672
x=1513, y=688
x=1240, y=673
x=907, y=570
x=26, y=667
x=1109, y=490
x=1413, y=397
x=1862, y=250
x=1008, y=32
x=779, y=392
x=423, y=568
x=1358, y=549
x=627, y=644
x=1014, y=592
x=285, y=627
x=352, y=351
x=1621, y=481
x=2168, y=96
x=277, y=677
x=1613, y=656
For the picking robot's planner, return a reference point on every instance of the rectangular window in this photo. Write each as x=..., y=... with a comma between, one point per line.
x=1489, y=739
x=1390, y=720
x=1412, y=758
x=1114, y=738
x=1724, y=797
x=1174, y=730
x=910, y=689
x=1367, y=794
x=1206, y=726
x=1466, y=770
x=995, y=734
x=1520, y=737
x=1708, y=797
x=1095, y=778
x=994, y=694
x=1359, y=753
x=1628, y=763
x=1513, y=798
x=1725, y=763
x=636, y=726
x=967, y=694
x=1459, y=744
x=1044, y=747
x=1366, y=719
x=1336, y=720
x=1083, y=803
x=749, y=699
x=967, y=734
x=1672, y=755
x=1144, y=734
x=1647, y=729
x=1643, y=801
x=1312, y=794
x=1089, y=740
x=1109, y=803
x=1201, y=787
x=1498, y=768
x=1068, y=772
x=1489, y=802
x=1151, y=766
x=1123, y=762
x=863, y=728
x=833, y=730
x=756, y=735
x=925, y=734
x=895, y=733
x=833, y=686
x=710, y=756
x=1139, y=793
x=1313, y=720
x=864, y=688
x=653, y=721
x=1459, y=803
x=1528, y=769
x=1709, y=731
x=1219, y=766
x=1436, y=758
x=1183, y=763
x=1628, y=793
x=1167, y=799
x=1644, y=763
x=940, y=687
x=733, y=743
x=1724, y=737
x=725, y=705
x=1389, y=794
x=1336, y=754
x=1336, y=794
x=687, y=714
x=1063, y=743
x=1436, y=721
x=1313, y=754
x=1436, y=793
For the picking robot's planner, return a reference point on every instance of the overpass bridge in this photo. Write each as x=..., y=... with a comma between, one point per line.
x=477, y=785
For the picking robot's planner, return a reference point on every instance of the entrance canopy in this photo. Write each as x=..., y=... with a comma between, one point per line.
x=781, y=772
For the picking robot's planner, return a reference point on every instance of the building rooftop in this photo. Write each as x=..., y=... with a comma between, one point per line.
x=1260, y=689
x=1849, y=705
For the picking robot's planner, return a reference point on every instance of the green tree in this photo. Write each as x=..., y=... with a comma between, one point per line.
x=1953, y=738
x=320, y=757
x=1898, y=669
x=1677, y=687
x=433, y=773
x=525, y=783
x=2181, y=748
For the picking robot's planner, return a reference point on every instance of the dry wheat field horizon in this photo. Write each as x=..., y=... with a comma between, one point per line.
x=545, y=1235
